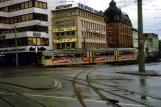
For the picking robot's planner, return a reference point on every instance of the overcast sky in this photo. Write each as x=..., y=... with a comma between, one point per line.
x=151, y=12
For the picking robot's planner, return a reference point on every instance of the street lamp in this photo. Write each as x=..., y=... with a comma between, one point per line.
x=84, y=43
x=16, y=53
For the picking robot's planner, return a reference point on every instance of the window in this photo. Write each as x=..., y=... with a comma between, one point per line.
x=34, y=41
x=38, y=41
x=44, y=6
x=40, y=5
x=27, y=17
x=72, y=23
x=36, y=4
x=57, y=14
x=30, y=16
x=23, y=18
x=26, y=5
x=22, y=5
x=62, y=14
x=30, y=4
x=73, y=12
x=30, y=41
x=11, y=21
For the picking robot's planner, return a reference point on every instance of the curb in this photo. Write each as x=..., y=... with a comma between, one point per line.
x=146, y=73
x=32, y=88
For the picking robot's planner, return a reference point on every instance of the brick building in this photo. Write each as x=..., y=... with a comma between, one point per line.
x=118, y=27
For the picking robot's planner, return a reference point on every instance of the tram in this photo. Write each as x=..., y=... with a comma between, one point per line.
x=78, y=56
x=65, y=57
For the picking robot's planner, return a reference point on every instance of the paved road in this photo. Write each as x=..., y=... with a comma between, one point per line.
x=65, y=96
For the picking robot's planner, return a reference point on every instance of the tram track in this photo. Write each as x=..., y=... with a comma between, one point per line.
x=101, y=89
x=75, y=81
x=110, y=101
x=77, y=93
x=21, y=95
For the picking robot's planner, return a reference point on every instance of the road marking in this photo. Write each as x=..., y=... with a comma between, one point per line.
x=131, y=105
x=70, y=98
x=154, y=77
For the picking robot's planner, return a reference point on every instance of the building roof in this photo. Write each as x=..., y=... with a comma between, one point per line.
x=114, y=14
x=101, y=13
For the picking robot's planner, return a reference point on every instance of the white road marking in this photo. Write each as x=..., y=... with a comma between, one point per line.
x=131, y=105
x=69, y=98
x=154, y=77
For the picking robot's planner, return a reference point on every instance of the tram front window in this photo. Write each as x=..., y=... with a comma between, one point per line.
x=48, y=57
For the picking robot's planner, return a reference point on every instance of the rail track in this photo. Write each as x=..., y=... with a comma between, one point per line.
x=76, y=80
x=21, y=95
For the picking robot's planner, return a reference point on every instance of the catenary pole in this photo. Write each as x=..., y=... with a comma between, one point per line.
x=140, y=35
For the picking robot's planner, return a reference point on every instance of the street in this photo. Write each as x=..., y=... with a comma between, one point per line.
x=128, y=90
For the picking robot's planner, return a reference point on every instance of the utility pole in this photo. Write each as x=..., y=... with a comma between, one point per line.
x=140, y=35
x=16, y=47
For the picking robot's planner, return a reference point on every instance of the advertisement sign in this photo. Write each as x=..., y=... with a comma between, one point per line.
x=65, y=40
x=89, y=8
x=110, y=58
x=99, y=58
x=69, y=60
x=63, y=6
x=64, y=29
x=60, y=60
x=126, y=57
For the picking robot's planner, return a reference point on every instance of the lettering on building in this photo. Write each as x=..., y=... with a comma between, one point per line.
x=89, y=8
x=63, y=6
x=37, y=34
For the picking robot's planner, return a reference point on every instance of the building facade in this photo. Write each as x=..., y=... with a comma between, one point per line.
x=30, y=22
x=76, y=27
x=118, y=27
x=152, y=47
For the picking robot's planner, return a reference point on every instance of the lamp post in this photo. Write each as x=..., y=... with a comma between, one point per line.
x=16, y=53
x=140, y=36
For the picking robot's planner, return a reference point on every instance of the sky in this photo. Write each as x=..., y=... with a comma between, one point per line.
x=151, y=12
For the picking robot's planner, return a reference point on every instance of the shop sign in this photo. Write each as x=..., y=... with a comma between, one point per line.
x=65, y=40
x=2, y=37
x=89, y=8
x=64, y=29
x=37, y=34
x=12, y=50
x=63, y=6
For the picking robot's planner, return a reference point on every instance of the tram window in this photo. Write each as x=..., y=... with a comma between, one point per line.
x=111, y=53
x=77, y=54
x=102, y=54
x=63, y=56
x=107, y=53
x=96, y=54
x=42, y=57
x=120, y=53
x=56, y=56
x=70, y=55
x=48, y=57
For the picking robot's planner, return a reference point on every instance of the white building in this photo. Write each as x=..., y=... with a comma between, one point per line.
x=32, y=20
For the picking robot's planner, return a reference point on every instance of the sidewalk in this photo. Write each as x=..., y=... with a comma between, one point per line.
x=31, y=82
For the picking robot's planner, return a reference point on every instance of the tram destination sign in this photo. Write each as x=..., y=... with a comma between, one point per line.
x=64, y=6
